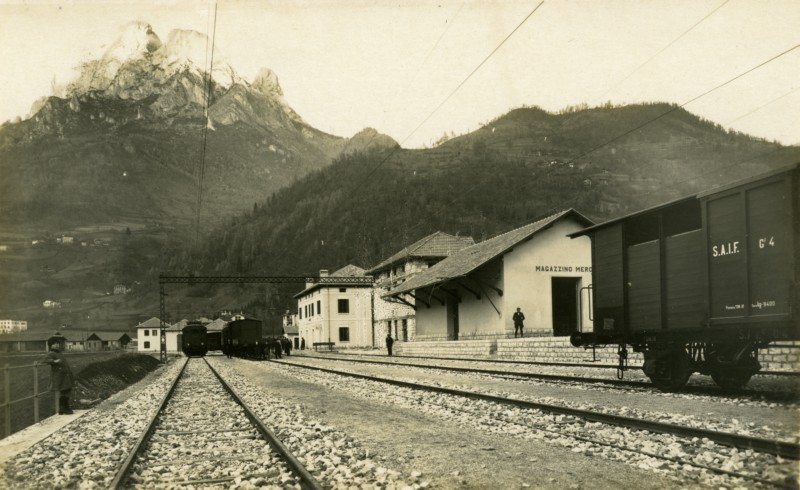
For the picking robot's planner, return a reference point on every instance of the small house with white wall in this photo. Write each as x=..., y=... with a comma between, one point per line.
x=473, y=293
x=337, y=309
x=148, y=337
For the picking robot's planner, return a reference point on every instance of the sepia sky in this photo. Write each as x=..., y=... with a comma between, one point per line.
x=348, y=64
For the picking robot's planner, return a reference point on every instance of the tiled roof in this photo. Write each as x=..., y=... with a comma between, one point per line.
x=110, y=336
x=346, y=271
x=349, y=271
x=216, y=325
x=69, y=336
x=34, y=336
x=151, y=323
x=466, y=260
x=435, y=245
x=291, y=330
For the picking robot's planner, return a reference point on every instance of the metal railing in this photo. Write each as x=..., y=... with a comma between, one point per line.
x=8, y=402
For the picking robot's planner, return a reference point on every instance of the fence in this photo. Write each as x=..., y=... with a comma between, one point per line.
x=20, y=392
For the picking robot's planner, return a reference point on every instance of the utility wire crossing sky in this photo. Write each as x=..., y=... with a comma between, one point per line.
x=406, y=69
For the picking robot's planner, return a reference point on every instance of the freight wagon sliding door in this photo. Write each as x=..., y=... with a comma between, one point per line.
x=769, y=243
x=685, y=282
x=750, y=249
x=644, y=286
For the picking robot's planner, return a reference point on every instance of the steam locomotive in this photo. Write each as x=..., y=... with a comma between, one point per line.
x=702, y=283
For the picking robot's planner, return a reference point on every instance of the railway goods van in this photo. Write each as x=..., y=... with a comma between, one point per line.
x=247, y=337
x=193, y=339
x=214, y=340
x=700, y=284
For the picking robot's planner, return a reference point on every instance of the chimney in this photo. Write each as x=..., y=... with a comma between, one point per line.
x=323, y=273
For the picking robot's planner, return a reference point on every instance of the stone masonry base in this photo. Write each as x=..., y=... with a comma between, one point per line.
x=784, y=356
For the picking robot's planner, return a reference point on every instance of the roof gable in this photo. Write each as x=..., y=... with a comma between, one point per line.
x=435, y=245
x=349, y=270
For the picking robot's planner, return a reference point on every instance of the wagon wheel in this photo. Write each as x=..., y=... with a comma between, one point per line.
x=731, y=380
x=732, y=375
x=669, y=372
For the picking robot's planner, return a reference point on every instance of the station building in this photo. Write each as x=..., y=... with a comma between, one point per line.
x=473, y=293
x=336, y=309
x=391, y=315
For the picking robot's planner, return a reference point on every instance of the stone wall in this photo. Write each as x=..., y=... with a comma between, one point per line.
x=477, y=349
x=558, y=349
x=784, y=356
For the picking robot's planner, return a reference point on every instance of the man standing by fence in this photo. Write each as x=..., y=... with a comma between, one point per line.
x=61, y=381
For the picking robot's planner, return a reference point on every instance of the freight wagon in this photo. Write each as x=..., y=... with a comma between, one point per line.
x=702, y=283
x=248, y=337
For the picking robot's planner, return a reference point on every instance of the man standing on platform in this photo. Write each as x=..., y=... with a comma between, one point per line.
x=389, y=343
x=518, y=318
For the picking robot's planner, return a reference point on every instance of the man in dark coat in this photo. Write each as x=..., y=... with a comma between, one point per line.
x=518, y=318
x=287, y=345
x=389, y=343
x=276, y=348
x=303, y=344
x=61, y=380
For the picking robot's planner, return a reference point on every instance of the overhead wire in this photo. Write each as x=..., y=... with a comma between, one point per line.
x=651, y=58
x=790, y=92
x=433, y=48
x=568, y=203
x=523, y=185
x=423, y=63
x=449, y=96
x=206, y=122
x=684, y=104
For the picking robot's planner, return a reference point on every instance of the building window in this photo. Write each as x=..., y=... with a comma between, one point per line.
x=300, y=313
x=155, y=332
x=147, y=345
x=344, y=334
x=147, y=333
x=344, y=306
x=405, y=330
x=342, y=290
x=319, y=307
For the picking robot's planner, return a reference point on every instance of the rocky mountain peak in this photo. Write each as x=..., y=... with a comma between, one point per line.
x=266, y=82
x=136, y=40
x=138, y=61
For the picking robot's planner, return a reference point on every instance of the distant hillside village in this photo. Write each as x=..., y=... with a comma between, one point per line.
x=442, y=287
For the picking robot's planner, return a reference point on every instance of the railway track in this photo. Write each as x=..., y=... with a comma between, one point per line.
x=204, y=434
x=779, y=448
x=587, y=364
x=715, y=391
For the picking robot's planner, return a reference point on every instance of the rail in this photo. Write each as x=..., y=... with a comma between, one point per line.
x=780, y=448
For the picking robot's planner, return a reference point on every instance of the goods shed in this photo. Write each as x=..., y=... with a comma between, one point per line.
x=473, y=293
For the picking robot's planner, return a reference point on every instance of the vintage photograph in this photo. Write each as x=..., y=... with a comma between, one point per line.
x=362, y=244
